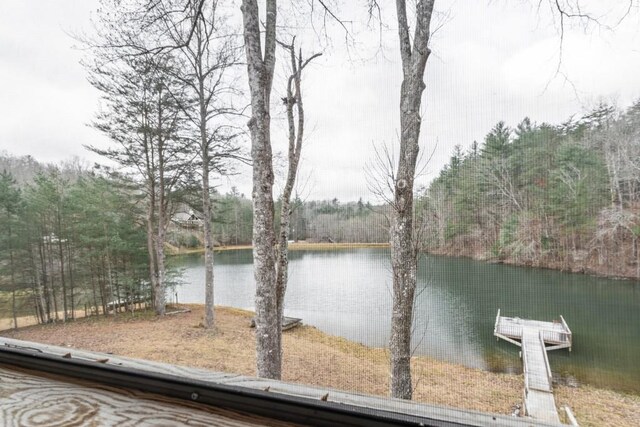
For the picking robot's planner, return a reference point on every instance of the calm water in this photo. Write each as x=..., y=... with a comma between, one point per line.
x=347, y=293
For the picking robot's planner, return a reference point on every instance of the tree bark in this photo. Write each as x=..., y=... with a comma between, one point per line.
x=151, y=248
x=61, y=256
x=44, y=289
x=13, y=278
x=295, y=146
x=149, y=164
x=260, y=74
x=71, y=280
x=403, y=249
x=160, y=289
x=209, y=317
x=52, y=288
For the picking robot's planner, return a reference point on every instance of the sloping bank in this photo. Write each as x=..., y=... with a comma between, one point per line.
x=580, y=265
x=313, y=357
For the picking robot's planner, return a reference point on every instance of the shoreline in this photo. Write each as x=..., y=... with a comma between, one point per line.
x=296, y=246
x=444, y=252
x=554, y=266
x=316, y=358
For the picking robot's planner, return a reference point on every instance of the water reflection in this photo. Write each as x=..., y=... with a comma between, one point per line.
x=348, y=293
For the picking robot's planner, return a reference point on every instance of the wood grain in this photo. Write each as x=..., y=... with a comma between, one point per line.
x=29, y=400
x=365, y=402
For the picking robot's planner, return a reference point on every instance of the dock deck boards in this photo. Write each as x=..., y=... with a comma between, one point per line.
x=556, y=333
x=533, y=336
x=536, y=365
x=542, y=406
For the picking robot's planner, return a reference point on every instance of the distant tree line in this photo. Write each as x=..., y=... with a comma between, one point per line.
x=312, y=221
x=565, y=196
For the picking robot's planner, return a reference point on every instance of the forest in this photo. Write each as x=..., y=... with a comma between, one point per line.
x=71, y=243
x=564, y=196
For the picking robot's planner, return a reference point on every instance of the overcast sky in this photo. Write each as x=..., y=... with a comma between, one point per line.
x=491, y=61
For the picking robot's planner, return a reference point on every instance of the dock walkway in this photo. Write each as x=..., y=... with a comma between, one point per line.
x=536, y=338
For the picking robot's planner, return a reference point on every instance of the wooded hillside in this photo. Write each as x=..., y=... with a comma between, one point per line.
x=563, y=196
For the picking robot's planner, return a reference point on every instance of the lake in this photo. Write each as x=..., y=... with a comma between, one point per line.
x=348, y=293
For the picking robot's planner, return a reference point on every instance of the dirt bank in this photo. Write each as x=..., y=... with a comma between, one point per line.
x=581, y=266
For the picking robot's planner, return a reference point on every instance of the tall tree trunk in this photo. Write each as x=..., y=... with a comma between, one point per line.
x=37, y=286
x=151, y=247
x=52, y=287
x=282, y=264
x=93, y=287
x=260, y=74
x=149, y=163
x=71, y=281
x=45, y=294
x=13, y=284
x=206, y=212
x=63, y=281
x=102, y=282
x=403, y=248
x=295, y=146
x=37, y=301
x=110, y=274
x=160, y=290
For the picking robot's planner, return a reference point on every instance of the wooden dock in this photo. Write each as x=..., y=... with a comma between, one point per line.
x=536, y=338
x=287, y=323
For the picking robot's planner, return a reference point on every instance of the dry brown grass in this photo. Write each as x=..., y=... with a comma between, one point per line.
x=313, y=357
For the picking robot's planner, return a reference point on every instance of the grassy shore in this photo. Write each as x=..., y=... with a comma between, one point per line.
x=296, y=246
x=313, y=357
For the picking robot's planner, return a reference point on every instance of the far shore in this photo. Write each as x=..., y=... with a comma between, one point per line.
x=445, y=252
x=294, y=246
x=316, y=358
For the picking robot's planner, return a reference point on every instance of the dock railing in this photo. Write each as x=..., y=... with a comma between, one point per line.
x=569, y=335
x=556, y=334
x=525, y=369
x=506, y=331
x=546, y=359
x=511, y=330
x=559, y=338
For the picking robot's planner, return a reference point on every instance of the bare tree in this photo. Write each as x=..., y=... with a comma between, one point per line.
x=260, y=68
x=293, y=101
x=403, y=249
x=205, y=51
